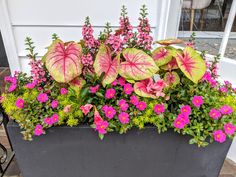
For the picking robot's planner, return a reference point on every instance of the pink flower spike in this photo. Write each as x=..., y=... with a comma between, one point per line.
x=64, y=91
x=42, y=97
x=141, y=105
x=101, y=127
x=54, y=104
x=123, y=105
x=186, y=109
x=214, y=113
x=54, y=118
x=48, y=121
x=94, y=89
x=159, y=109
x=110, y=93
x=122, y=81
x=134, y=100
x=197, y=101
x=229, y=128
x=123, y=117
x=219, y=136
x=110, y=112
x=38, y=130
x=86, y=108
x=225, y=110
x=128, y=89
x=20, y=103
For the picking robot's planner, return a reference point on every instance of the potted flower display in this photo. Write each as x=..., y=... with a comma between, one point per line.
x=160, y=98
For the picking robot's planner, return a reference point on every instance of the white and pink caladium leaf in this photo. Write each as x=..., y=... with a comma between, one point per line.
x=77, y=84
x=191, y=64
x=105, y=64
x=171, y=78
x=162, y=55
x=140, y=88
x=171, y=65
x=63, y=60
x=137, y=65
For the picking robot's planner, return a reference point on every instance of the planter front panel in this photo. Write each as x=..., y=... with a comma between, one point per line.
x=78, y=152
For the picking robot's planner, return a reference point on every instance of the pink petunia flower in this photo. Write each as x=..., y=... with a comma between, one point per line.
x=110, y=93
x=54, y=118
x=110, y=112
x=141, y=105
x=186, y=109
x=219, y=136
x=86, y=108
x=38, y=130
x=223, y=89
x=229, y=128
x=225, y=110
x=214, y=113
x=20, y=103
x=64, y=91
x=197, y=101
x=101, y=127
x=184, y=118
x=179, y=123
x=54, y=104
x=94, y=89
x=128, y=89
x=123, y=117
x=134, y=100
x=123, y=105
x=159, y=109
x=12, y=87
x=121, y=81
x=114, y=83
x=48, y=121
x=31, y=85
x=42, y=97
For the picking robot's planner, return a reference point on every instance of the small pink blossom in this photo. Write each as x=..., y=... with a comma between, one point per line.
x=20, y=103
x=121, y=81
x=184, y=118
x=141, y=105
x=110, y=93
x=64, y=91
x=42, y=97
x=186, y=109
x=54, y=104
x=219, y=136
x=225, y=110
x=214, y=113
x=67, y=109
x=54, y=118
x=123, y=117
x=134, y=100
x=114, y=83
x=197, y=101
x=86, y=108
x=179, y=123
x=229, y=128
x=48, y=121
x=101, y=127
x=223, y=89
x=97, y=117
x=123, y=105
x=38, y=130
x=128, y=89
x=94, y=89
x=12, y=87
x=110, y=112
x=31, y=85
x=159, y=108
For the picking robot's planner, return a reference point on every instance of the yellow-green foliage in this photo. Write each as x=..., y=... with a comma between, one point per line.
x=9, y=104
x=230, y=100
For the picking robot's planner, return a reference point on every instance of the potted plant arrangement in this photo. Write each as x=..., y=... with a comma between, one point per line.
x=161, y=99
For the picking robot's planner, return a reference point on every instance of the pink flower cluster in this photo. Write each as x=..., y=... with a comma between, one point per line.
x=220, y=135
x=128, y=89
x=54, y=104
x=224, y=110
x=87, y=60
x=32, y=84
x=42, y=98
x=87, y=32
x=101, y=125
x=94, y=89
x=183, y=118
x=159, y=109
x=38, y=130
x=134, y=100
x=12, y=81
x=207, y=77
x=51, y=120
x=115, y=41
x=123, y=117
x=197, y=101
x=109, y=111
x=63, y=91
x=126, y=29
x=37, y=71
x=110, y=93
x=123, y=105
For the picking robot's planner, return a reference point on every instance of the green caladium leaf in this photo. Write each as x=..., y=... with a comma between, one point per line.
x=63, y=60
x=161, y=56
x=191, y=64
x=137, y=65
x=171, y=78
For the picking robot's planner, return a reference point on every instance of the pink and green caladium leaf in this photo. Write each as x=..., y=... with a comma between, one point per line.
x=169, y=41
x=77, y=84
x=191, y=64
x=63, y=60
x=171, y=78
x=171, y=65
x=140, y=88
x=161, y=56
x=105, y=64
x=137, y=65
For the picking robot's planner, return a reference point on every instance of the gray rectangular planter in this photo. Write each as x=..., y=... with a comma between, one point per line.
x=78, y=152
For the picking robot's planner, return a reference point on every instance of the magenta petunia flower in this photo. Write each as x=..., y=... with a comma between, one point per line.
x=122, y=81
x=141, y=105
x=110, y=93
x=223, y=89
x=64, y=91
x=54, y=118
x=12, y=87
x=128, y=89
x=219, y=136
x=123, y=105
x=20, y=103
x=97, y=117
x=184, y=118
x=48, y=121
x=134, y=100
x=86, y=108
x=179, y=123
x=42, y=97
x=186, y=109
x=159, y=109
x=226, y=110
x=214, y=113
x=38, y=130
x=54, y=104
x=101, y=127
x=229, y=128
x=123, y=117
x=31, y=85
x=197, y=101
x=114, y=83
x=94, y=89
x=110, y=112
